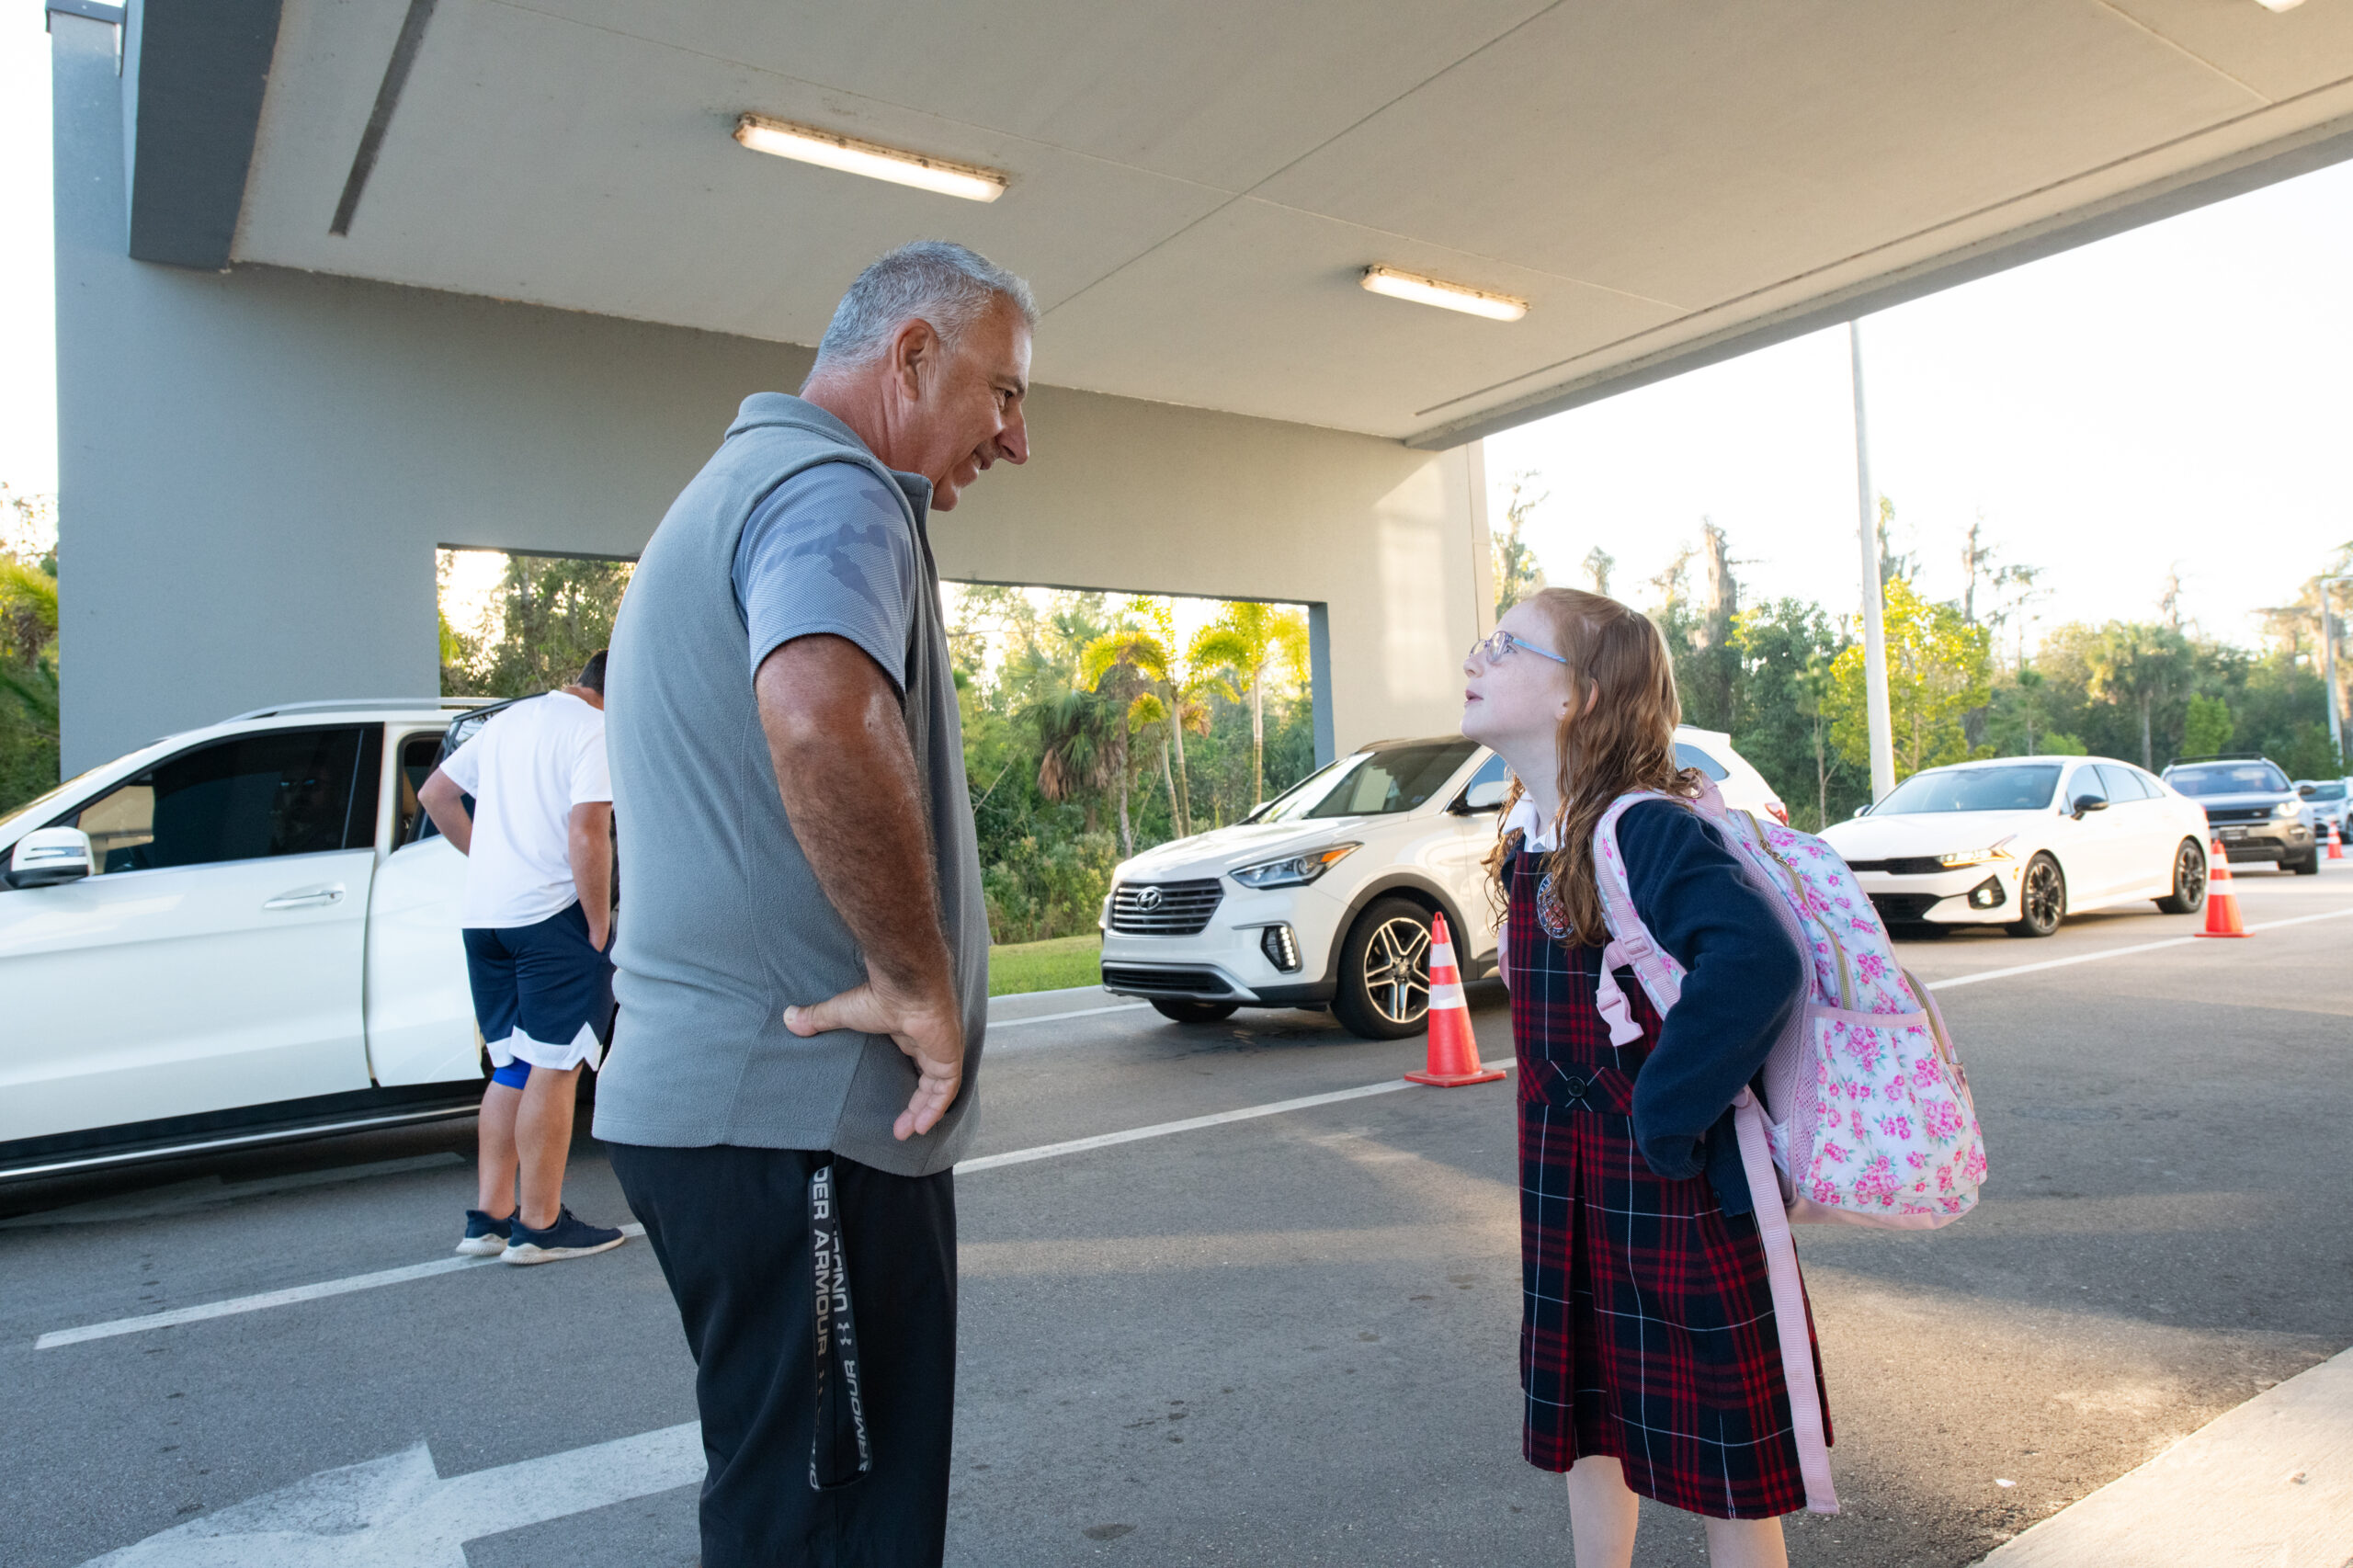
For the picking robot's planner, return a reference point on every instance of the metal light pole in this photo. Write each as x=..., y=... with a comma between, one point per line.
x=2328, y=666
x=1874, y=620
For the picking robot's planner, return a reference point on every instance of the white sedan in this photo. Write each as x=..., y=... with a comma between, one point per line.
x=2021, y=841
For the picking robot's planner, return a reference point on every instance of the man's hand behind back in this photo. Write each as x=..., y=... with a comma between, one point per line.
x=931, y=1031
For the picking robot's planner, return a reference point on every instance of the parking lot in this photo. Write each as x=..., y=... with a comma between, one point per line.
x=1249, y=1338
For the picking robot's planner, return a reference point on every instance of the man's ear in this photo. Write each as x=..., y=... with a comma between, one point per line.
x=914, y=355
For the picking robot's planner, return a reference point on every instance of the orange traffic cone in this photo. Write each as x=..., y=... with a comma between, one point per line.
x=2335, y=845
x=1454, y=1050
x=2222, y=899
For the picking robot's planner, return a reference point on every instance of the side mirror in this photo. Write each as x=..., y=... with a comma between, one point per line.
x=1486, y=795
x=1862, y=811
x=47, y=855
x=2085, y=804
x=2305, y=790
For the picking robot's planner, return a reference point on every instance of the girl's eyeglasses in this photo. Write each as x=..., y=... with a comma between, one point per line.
x=1495, y=649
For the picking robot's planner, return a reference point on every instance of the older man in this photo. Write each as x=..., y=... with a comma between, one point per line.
x=803, y=974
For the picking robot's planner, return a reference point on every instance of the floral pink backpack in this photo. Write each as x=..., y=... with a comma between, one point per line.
x=1867, y=1117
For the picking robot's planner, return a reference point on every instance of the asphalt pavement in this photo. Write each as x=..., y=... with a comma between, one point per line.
x=1216, y=1334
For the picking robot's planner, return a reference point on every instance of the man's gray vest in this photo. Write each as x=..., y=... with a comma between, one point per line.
x=722, y=924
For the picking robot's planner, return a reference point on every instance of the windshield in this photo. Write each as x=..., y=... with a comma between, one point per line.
x=1373, y=783
x=2229, y=778
x=2015, y=788
x=40, y=804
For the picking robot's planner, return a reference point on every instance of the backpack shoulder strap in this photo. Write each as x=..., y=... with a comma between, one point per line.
x=1631, y=943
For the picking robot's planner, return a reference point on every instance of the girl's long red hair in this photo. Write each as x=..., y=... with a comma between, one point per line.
x=1619, y=735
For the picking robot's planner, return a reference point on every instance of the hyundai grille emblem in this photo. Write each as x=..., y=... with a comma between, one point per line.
x=1148, y=899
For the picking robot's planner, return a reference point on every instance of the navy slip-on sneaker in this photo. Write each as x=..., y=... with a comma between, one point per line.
x=484, y=1237
x=570, y=1236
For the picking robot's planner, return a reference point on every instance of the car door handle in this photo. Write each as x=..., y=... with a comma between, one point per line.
x=307, y=898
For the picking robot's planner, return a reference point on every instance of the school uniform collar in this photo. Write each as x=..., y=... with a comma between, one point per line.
x=1537, y=835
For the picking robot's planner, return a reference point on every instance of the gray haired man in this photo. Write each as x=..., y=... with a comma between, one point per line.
x=803, y=980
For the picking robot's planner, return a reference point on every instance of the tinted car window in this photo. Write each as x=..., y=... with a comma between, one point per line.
x=420, y=754
x=2025, y=787
x=2327, y=792
x=2228, y=779
x=1690, y=755
x=2123, y=783
x=1386, y=782
x=2084, y=784
x=281, y=792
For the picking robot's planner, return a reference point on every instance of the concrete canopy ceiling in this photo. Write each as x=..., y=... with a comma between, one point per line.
x=1196, y=186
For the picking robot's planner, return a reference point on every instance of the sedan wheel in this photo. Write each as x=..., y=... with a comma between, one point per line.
x=2043, y=898
x=2189, y=895
x=1384, y=992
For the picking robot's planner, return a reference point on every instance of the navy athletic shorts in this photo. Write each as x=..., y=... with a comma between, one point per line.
x=542, y=994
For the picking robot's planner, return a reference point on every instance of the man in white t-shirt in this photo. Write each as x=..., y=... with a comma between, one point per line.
x=538, y=918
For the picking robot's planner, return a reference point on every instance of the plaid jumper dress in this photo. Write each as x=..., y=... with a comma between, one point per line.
x=1647, y=1328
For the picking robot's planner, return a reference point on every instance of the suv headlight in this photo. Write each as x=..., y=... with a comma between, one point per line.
x=1293, y=870
x=2288, y=809
x=1975, y=856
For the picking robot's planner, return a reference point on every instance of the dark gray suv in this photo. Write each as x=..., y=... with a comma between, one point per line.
x=2252, y=808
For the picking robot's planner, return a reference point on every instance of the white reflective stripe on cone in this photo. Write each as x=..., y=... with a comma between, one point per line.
x=1447, y=995
x=1441, y=954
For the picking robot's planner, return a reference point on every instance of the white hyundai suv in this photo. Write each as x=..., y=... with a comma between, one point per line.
x=1323, y=897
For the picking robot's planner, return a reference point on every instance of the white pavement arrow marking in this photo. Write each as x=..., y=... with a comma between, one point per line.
x=397, y=1512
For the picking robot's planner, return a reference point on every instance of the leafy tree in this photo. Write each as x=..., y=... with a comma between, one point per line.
x=551, y=613
x=2137, y=665
x=2207, y=729
x=1598, y=565
x=1517, y=572
x=1253, y=642
x=1938, y=667
x=1781, y=720
x=29, y=690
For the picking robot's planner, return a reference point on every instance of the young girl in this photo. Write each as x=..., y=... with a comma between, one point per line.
x=1648, y=1347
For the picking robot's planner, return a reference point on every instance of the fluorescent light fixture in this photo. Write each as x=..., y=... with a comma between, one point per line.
x=850, y=155
x=1445, y=296
x=2278, y=5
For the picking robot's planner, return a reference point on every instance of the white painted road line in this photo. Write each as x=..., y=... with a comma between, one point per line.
x=1163, y=1130
x=995, y=1024
x=2122, y=952
x=988, y=1162
x=397, y=1512
x=285, y=1298
x=62, y=1336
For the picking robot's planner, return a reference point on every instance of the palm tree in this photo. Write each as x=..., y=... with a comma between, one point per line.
x=1250, y=640
x=2137, y=664
x=1174, y=696
x=1140, y=662
x=1081, y=738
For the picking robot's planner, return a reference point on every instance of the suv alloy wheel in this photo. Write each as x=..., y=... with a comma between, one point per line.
x=1385, y=979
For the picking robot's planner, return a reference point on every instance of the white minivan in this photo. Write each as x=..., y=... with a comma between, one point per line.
x=1323, y=896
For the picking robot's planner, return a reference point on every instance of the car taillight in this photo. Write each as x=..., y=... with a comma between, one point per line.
x=1780, y=812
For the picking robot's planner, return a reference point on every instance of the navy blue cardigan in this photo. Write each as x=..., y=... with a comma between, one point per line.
x=1744, y=978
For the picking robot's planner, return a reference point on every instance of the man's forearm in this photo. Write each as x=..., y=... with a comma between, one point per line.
x=847, y=777
x=589, y=847
x=446, y=804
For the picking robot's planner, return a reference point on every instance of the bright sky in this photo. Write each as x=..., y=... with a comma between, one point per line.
x=2181, y=393
x=2177, y=394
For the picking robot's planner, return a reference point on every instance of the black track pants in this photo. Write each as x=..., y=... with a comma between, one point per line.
x=731, y=1228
